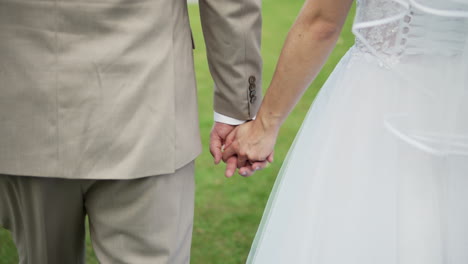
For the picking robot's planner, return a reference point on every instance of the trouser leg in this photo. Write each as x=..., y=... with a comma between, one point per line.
x=45, y=217
x=147, y=220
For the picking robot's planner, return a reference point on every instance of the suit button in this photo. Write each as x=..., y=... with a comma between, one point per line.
x=253, y=99
x=252, y=79
x=252, y=87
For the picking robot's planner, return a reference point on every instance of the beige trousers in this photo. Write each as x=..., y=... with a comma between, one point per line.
x=146, y=220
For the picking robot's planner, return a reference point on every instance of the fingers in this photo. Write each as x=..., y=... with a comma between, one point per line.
x=229, y=152
x=216, y=148
x=241, y=160
x=231, y=166
x=234, y=151
x=259, y=165
x=248, y=170
x=218, y=138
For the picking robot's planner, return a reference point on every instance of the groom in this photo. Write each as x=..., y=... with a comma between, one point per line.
x=98, y=118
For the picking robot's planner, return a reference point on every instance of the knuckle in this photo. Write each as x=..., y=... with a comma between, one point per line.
x=253, y=156
x=235, y=144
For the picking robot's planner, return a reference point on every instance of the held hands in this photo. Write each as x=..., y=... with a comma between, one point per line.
x=248, y=147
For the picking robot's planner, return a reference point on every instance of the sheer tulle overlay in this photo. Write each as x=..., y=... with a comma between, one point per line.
x=378, y=173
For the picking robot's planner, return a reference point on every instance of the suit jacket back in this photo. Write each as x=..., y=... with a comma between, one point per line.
x=96, y=89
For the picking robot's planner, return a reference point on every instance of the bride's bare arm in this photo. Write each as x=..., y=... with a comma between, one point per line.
x=308, y=45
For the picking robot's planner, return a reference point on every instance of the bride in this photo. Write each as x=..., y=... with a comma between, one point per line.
x=378, y=173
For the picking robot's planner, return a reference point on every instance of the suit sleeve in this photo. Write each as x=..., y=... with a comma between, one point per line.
x=232, y=31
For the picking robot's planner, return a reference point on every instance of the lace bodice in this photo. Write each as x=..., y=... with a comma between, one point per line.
x=393, y=29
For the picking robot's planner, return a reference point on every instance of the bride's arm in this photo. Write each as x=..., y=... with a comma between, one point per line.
x=308, y=45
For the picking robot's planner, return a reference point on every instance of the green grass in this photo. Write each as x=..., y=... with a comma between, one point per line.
x=228, y=211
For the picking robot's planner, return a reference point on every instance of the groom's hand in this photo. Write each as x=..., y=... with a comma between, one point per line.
x=252, y=144
x=218, y=140
x=218, y=137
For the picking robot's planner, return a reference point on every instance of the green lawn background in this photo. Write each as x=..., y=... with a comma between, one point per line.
x=228, y=211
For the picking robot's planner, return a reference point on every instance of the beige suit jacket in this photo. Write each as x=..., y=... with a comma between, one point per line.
x=106, y=89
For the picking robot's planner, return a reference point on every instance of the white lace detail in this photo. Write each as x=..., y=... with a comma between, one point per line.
x=391, y=29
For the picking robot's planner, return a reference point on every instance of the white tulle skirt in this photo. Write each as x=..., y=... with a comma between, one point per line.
x=378, y=173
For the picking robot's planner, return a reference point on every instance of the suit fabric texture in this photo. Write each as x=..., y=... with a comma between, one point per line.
x=98, y=117
x=144, y=220
x=106, y=89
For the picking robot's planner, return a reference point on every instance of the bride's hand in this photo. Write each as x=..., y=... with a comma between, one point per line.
x=253, y=144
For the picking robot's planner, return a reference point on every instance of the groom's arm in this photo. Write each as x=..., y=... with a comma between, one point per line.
x=232, y=31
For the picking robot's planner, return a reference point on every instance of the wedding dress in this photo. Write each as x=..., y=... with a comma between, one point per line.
x=378, y=173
